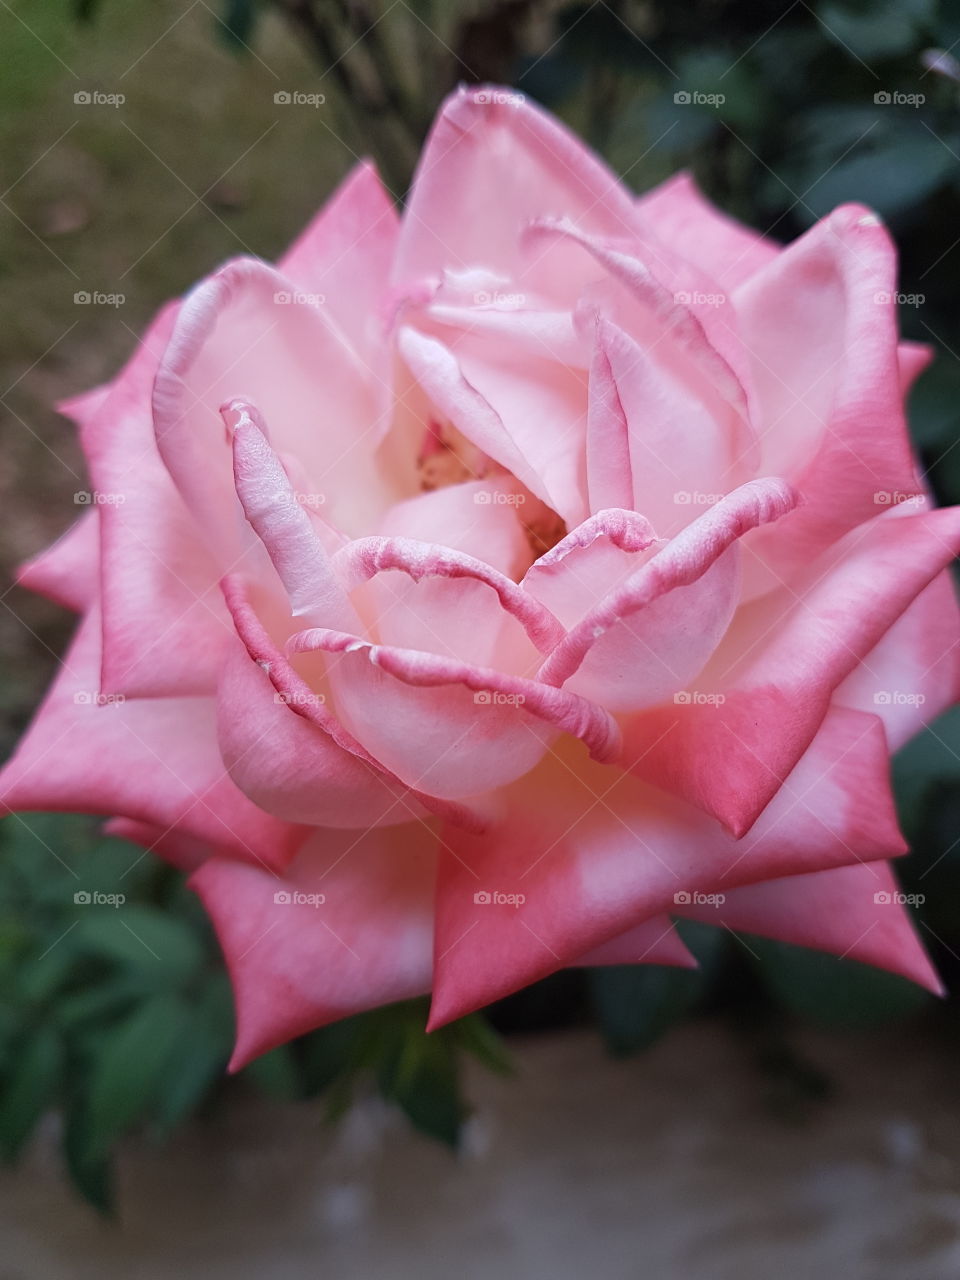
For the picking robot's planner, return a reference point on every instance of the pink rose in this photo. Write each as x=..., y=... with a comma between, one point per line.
x=479, y=589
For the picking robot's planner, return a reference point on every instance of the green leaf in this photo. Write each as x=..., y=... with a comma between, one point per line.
x=201, y=1059
x=475, y=1034
x=129, y=1065
x=89, y=1169
x=237, y=22
x=874, y=29
x=30, y=1089
x=277, y=1074
x=636, y=1004
x=831, y=992
x=424, y=1082
x=890, y=178
x=156, y=944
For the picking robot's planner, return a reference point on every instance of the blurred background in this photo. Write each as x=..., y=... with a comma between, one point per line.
x=775, y=1110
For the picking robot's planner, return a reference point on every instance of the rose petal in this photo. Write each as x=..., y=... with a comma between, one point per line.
x=152, y=760
x=595, y=853
x=296, y=964
x=758, y=703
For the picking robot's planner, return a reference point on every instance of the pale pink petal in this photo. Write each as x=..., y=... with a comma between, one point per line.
x=913, y=358
x=346, y=928
x=654, y=941
x=913, y=673
x=692, y=226
x=153, y=760
x=446, y=726
x=727, y=746
x=184, y=852
x=653, y=633
x=492, y=150
x=593, y=853
x=855, y=912
x=654, y=443
x=246, y=333
x=827, y=385
x=345, y=254
x=472, y=517
x=163, y=620
x=289, y=754
x=68, y=570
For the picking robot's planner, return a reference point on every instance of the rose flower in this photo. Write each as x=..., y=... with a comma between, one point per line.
x=485, y=586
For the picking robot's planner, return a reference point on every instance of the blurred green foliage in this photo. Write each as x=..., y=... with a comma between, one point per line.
x=119, y=1017
x=115, y=1010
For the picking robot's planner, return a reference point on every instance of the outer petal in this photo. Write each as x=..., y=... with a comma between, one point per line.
x=163, y=622
x=691, y=225
x=490, y=142
x=759, y=702
x=66, y=571
x=593, y=854
x=345, y=255
x=184, y=852
x=855, y=912
x=346, y=928
x=827, y=383
x=655, y=941
x=154, y=761
x=246, y=332
x=913, y=673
